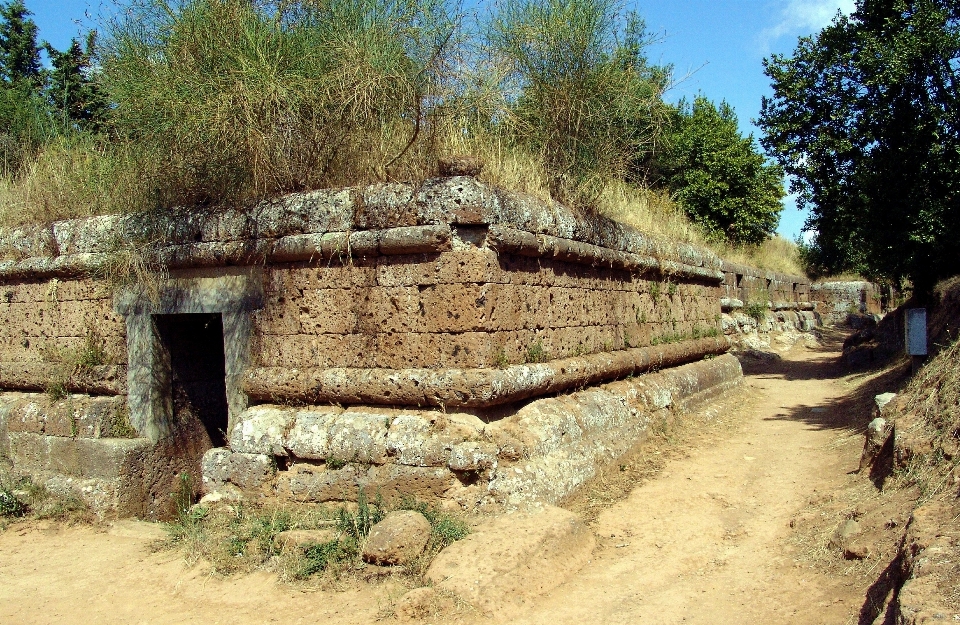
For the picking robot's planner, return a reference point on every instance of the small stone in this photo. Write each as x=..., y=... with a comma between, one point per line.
x=398, y=539
x=882, y=400
x=416, y=604
x=850, y=528
x=460, y=166
x=846, y=531
x=878, y=431
x=856, y=551
x=292, y=539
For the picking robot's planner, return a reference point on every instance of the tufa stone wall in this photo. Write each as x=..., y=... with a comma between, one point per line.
x=536, y=453
x=838, y=300
x=759, y=306
x=450, y=295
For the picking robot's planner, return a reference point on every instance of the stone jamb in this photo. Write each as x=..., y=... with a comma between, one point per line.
x=233, y=296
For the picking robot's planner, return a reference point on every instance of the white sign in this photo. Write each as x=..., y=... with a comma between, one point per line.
x=915, y=324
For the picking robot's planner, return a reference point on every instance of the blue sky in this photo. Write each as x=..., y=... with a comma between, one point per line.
x=715, y=46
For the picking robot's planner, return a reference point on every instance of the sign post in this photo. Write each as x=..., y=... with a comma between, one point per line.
x=915, y=340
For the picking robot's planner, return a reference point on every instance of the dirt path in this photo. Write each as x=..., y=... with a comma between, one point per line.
x=705, y=542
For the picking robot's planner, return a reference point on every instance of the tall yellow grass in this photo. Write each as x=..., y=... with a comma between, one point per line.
x=79, y=178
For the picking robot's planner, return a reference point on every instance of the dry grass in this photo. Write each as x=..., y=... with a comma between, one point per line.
x=775, y=254
x=22, y=497
x=242, y=537
x=928, y=430
x=78, y=177
x=843, y=277
x=648, y=211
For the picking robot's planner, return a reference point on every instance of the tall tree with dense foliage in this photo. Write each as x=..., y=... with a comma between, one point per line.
x=19, y=51
x=24, y=120
x=71, y=87
x=718, y=176
x=865, y=117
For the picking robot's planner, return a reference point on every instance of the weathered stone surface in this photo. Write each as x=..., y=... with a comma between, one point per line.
x=80, y=416
x=398, y=539
x=466, y=387
x=108, y=474
x=36, y=376
x=396, y=481
x=245, y=471
x=928, y=553
x=878, y=433
x=729, y=303
x=304, y=482
x=539, y=453
x=80, y=457
x=308, y=482
x=261, y=430
x=245, y=235
x=882, y=400
x=473, y=456
x=836, y=300
x=295, y=539
x=845, y=534
x=512, y=559
x=563, y=440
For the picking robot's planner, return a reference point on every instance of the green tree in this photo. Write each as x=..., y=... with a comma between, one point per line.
x=865, y=117
x=718, y=176
x=24, y=115
x=19, y=52
x=71, y=87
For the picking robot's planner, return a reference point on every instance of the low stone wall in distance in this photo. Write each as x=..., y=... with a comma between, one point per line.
x=763, y=309
x=838, y=300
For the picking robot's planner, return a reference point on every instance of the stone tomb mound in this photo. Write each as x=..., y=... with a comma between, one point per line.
x=446, y=341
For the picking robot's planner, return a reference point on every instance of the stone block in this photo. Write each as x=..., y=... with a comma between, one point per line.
x=395, y=482
x=398, y=539
x=261, y=430
x=309, y=436
x=220, y=466
x=513, y=559
x=357, y=435
x=81, y=457
x=80, y=416
x=415, y=239
x=312, y=483
x=328, y=311
x=426, y=439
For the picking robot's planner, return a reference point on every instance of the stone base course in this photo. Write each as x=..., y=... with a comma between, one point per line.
x=539, y=452
x=466, y=387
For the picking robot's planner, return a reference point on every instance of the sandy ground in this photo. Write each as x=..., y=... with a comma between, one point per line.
x=706, y=541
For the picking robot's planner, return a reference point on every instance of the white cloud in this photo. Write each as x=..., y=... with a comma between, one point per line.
x=805, y=17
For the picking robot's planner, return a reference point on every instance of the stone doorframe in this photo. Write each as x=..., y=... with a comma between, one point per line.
x=234, y=295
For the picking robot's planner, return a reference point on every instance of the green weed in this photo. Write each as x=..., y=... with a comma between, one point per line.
x=536, y=353
x=756, y=309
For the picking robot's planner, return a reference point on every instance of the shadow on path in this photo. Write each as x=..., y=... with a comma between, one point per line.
x=853, y=410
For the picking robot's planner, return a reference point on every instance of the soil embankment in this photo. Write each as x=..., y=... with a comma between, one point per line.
x=732, y=527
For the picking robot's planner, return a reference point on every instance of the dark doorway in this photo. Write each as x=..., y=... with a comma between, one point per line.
x=197, y=380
